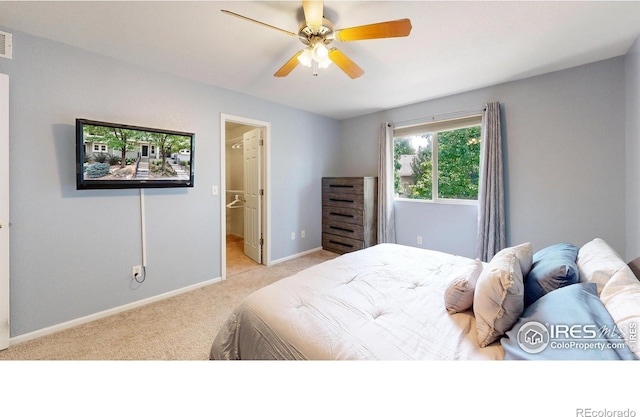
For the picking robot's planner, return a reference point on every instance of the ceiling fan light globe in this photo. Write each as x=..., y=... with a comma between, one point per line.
x=320, y=52
x=305, y=58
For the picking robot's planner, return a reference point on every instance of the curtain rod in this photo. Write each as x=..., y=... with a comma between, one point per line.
x=437, y=117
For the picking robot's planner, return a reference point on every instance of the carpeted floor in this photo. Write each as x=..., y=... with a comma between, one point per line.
x=178, y=328
x=237, y=261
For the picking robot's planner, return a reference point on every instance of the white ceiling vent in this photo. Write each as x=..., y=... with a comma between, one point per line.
x=5, y=45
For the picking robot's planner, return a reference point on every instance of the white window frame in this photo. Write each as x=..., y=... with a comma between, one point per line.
x=98, y=144
x=433, y=128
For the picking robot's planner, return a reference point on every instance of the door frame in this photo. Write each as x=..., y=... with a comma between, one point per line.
x=266, y=181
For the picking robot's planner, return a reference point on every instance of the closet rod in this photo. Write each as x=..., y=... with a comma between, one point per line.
x=436, y=118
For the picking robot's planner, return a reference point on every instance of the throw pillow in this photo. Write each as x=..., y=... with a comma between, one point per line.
x=524, y=253
x=458, y=295
x=621, y=297
x=553, y=267
x=498, y=300
x=597, y=262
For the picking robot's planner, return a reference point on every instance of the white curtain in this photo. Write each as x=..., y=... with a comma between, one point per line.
x=386, y=214
x=491, y=219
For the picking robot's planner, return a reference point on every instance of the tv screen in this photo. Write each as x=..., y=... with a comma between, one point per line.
x=110, y=155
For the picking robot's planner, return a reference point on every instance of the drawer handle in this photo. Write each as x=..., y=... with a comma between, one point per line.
x=342, y=229
x=341, y=200
x=340, y=186
x=341, y=214
x=342, y=244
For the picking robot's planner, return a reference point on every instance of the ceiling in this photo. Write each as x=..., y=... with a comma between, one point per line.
x=454, y=46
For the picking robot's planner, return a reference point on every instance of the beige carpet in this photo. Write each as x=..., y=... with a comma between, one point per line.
x=178, y=328
x=237, y=261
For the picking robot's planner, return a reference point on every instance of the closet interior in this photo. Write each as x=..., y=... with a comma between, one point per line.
x=237, y=260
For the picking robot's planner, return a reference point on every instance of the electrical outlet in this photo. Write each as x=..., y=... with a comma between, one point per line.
x=419, y=240
x=293, y=235
x=303, y=234
x=136, y=271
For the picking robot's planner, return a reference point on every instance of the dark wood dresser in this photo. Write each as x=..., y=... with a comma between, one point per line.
x=349, y=213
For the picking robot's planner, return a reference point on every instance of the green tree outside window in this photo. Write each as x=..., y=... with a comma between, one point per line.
x=458, y=165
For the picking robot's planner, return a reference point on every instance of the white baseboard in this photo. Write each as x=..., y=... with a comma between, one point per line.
x=102, y=314
x=297, y=255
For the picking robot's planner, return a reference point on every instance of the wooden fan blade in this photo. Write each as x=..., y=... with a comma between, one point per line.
x=289, y=66
x=313, y=13
x=391, y=29
x=260, y=23
x=345, y=64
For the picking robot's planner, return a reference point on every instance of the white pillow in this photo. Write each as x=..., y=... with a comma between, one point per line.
x=621, y=298
x=524, y=253
x=597, y=262
x=498, y=300
x=458, y=295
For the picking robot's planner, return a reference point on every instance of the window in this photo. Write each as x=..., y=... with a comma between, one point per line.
x=99, y=147
x=438, y=161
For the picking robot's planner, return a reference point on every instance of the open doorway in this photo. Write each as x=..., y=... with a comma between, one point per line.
x=244, y=196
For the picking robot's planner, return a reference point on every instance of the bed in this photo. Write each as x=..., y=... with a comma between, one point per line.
x=394, y=302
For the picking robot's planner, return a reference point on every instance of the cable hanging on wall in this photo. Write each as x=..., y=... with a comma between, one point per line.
x=143, y=234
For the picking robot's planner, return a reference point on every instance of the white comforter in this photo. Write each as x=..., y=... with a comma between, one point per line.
x=385, y=302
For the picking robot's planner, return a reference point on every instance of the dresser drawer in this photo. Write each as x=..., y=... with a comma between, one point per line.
x=342, y=215
x=347, y=185
x=340, y=244
x=343, y=200
x=354, y=231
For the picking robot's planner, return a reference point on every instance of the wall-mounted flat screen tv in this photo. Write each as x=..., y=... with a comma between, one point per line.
x=110, y=155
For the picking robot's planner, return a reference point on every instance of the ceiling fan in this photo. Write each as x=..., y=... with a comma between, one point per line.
x=316, y=33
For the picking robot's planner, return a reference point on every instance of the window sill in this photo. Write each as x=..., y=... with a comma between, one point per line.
x=444, y=201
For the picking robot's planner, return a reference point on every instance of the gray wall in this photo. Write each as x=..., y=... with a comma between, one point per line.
x=72, y=251
x=632, y=72
x=564, y=147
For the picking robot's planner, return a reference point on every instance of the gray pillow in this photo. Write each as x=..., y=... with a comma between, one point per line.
x=524, y=253
x=458, y=295
x=498, y=300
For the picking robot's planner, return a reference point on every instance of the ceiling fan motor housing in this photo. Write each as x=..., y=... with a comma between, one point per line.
x=308, y=37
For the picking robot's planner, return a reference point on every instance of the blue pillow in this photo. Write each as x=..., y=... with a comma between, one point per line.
x=570, y=323
x=553, y=267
